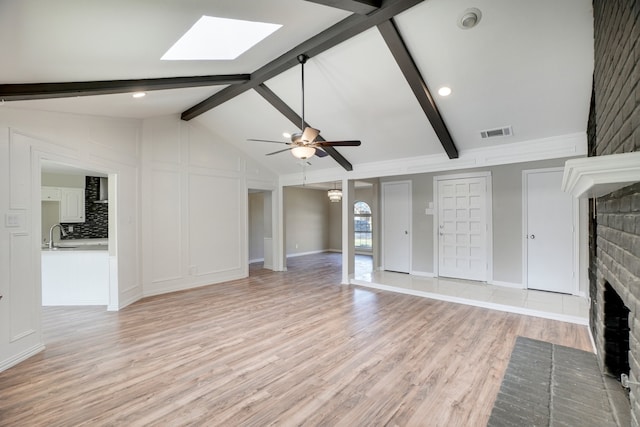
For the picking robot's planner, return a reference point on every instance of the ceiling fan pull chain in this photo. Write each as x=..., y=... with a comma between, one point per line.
x=304, y=172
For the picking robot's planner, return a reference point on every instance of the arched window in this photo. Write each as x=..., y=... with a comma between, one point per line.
x=362, y=225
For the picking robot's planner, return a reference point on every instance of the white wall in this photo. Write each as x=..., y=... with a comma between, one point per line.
x=103, y=144
x=178, y=216
x=194, y=201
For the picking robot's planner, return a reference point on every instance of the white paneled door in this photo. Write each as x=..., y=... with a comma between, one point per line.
x=462, y=228
x=396, y=227
x=549, y=213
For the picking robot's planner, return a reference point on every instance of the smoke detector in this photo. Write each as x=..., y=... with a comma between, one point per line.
x=493, y=133
x=469, y=18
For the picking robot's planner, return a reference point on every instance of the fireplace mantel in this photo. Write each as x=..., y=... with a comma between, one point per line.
x=597, y=176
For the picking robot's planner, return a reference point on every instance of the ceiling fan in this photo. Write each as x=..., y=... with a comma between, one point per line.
x=306, y=144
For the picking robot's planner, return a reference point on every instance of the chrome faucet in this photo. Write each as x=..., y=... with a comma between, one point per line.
x=51, y=234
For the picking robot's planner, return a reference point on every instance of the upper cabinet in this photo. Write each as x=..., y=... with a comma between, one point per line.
x=72, y=205
x=71, y=202
x=51, y=194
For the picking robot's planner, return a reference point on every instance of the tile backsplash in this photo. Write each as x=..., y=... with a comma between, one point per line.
x=96, y=225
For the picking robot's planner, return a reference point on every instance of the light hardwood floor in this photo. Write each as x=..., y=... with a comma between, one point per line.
x=283, y=348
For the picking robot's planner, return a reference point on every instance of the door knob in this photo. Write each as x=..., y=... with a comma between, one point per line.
x=406, y=232
x=533, y=236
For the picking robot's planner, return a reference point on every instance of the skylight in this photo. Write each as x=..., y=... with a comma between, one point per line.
x=213, y=38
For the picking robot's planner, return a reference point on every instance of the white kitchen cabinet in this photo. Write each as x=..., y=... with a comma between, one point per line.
x=75, y=276
x=50, y=194
x=72, y=204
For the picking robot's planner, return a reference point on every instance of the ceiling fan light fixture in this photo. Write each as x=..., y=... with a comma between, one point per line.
x=139, y=94
x=303, y=152
x=334, y=195
x=469, y=18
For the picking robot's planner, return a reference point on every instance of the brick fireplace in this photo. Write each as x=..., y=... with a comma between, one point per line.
x=613, y=183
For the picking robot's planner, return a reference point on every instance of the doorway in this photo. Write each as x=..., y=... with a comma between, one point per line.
x=75, y=256
x=260, y=229
x=396, y=226
x=548, y=223
x=463, y=225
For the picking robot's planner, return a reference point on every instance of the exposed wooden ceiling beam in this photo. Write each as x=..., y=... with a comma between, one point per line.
x=361, y=7
x=288, y=112
x=411, y=73
x=332, y=36
x=30, y=91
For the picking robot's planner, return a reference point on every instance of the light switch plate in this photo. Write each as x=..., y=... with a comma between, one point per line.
x=12, y=220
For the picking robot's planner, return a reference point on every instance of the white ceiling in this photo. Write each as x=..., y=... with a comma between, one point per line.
x=527, y=64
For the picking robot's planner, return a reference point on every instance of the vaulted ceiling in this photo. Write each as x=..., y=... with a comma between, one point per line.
x=373, y=72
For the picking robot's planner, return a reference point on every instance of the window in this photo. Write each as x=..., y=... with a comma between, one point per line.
x=362, y=225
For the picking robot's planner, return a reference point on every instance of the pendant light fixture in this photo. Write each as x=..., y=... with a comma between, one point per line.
x=335, y=195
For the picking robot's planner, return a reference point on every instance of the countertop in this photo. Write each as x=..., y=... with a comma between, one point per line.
x=77, y=249
x=78, y=245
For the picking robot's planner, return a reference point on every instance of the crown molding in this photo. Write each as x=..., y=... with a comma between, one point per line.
x=557, y=147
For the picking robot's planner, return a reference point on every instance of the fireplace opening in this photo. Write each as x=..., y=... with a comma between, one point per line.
x=616, y=333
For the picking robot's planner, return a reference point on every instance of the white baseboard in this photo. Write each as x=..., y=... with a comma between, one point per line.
x=20, y=357
x=475, y=303
x=506, y=284
x=339, y=251
x=306, y=253
x=251, y=261
x=422, y=273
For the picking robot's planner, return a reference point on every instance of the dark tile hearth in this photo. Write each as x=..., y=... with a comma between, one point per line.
x=551, y=385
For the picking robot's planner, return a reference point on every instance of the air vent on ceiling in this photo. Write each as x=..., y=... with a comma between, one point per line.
x=492, y=133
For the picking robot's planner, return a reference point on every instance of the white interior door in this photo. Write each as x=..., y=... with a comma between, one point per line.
x=462, y=228
x=396, y=227
x=549, y=231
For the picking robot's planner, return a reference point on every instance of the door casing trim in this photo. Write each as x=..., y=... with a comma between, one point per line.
x=575, y=234
x=488, y=213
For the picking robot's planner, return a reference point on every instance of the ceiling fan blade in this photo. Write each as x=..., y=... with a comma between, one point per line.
x=320, y=152
x=267, y=140
x=338, y=143
x=310, y=134
x=276, y=152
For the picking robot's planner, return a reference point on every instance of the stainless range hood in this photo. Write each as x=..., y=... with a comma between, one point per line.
x=103, y=191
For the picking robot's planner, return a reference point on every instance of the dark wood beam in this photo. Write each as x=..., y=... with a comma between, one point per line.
x=411, y=73
x=288, y=112
x=30, y=91
x=361, y=7
x=332, y=36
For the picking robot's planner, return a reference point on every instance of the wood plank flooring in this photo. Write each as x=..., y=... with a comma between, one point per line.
x=277, y=348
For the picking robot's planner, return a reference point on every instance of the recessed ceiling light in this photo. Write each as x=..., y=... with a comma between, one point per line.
x=213, y=38
x=444, y=91
x=139, y=94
